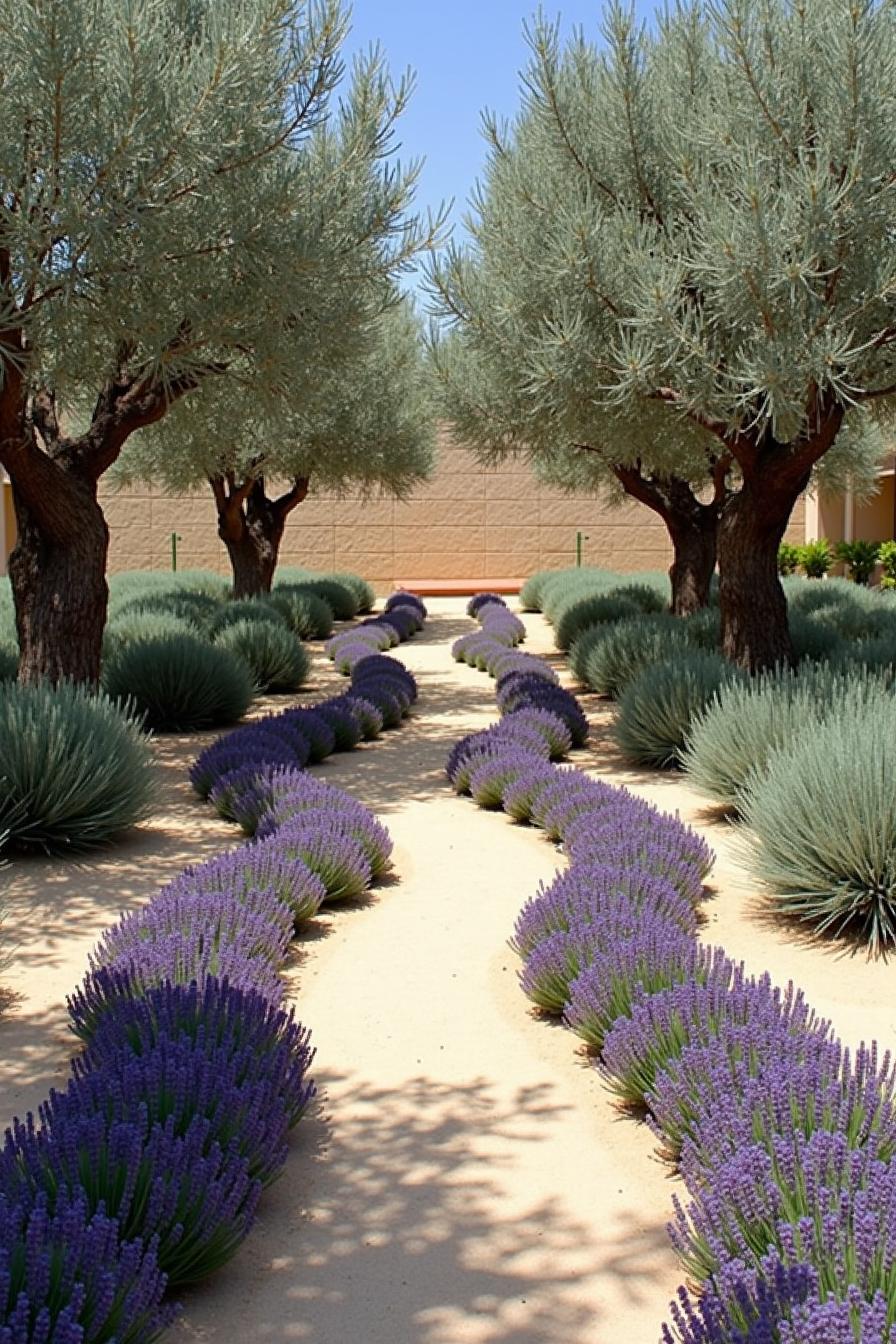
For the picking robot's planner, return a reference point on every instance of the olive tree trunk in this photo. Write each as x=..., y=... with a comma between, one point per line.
x=251, y=527
x=58, y=577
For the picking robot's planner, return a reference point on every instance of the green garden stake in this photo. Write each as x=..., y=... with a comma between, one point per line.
x=580, y=537
x=174, y=540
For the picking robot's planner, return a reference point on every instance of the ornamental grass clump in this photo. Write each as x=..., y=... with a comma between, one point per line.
x=306, y=614
x=337, y=594
x=363, y=591
x=274, y=655
x=66, y=1277
x=532, y=590
x=602, y=609
x=657, y=707
x=628, y=648
x=822, y=824
x=748, y=721
x=75, y=770
x=180, y=683
x=252, y=609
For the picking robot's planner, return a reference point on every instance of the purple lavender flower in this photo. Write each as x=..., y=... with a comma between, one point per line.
x=318, y=733
x=240, y=1028
x=544, y=695
x=481, y=600
x=586, y=891
x=588, y=836
x=66, y=1277
x=367, y=716
x=490, y=777
x=520, y=797
x=551, y=726
x=351, y=820
x=636, y=1049
x=255, y=867
x=402, y=598
x=381, y=669
x=404, y=620
x=329, y=850
x=753, y=1309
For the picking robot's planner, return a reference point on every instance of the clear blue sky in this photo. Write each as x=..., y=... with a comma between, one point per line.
x=467, y=55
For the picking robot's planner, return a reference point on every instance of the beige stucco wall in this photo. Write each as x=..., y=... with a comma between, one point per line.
x=469, y=522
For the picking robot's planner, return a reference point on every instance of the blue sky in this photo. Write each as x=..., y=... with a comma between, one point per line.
x=467, y=55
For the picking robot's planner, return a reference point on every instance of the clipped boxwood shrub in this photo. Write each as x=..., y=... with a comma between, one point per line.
x=274, y=655
x=823, y=822
x=74, y=769
x=180, y=683
x=306, y=614
x=657, y=708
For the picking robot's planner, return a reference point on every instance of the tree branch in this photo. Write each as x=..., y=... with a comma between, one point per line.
x=295, y=495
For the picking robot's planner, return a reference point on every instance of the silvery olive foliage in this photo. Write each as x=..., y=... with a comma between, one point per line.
x=682, y=256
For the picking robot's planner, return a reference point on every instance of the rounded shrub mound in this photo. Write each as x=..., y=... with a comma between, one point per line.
x=180, y=684
x=823, y=820
x=736, y=734
x=245, y=609
x=74, y=770
x=658, y=707
x=605, y=608
x=363, y=592
x=132, y=627
x=338, y=596
x=630, y=646
x=273, y=654
x=306, y=614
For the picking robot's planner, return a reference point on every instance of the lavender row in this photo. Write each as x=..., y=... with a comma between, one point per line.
x=144, y=1173
x=786, y=1141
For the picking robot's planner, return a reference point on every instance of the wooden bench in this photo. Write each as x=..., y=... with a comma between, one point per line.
x=459, y=587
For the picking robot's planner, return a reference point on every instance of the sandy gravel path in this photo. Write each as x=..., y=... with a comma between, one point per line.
x=467, y=1177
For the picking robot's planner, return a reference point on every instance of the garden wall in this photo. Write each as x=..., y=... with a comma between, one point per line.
x=468, y=522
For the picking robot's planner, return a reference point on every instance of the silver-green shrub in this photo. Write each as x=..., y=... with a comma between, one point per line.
x=180, y=683
x=75, y=770
x=595, y=609
x=657, y=708
x=306, y=614
x=629, y=647
x=822, y=819
x=734, y=737
x=273, y=654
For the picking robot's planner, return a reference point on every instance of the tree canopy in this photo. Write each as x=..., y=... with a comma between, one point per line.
x=177, y=192
x=695, y=218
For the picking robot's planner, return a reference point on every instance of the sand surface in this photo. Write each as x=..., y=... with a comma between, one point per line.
x=466, y=1177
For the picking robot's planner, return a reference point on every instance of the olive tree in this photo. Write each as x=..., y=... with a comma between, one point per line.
x=171, y=194
x=360, y=423
x=704, y=215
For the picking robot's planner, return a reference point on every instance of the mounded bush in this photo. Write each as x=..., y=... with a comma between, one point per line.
x=132, y=627
x=245, y=609
x=180, y=684
x=337, y=595
x=733, y=738
x=74, y=769
x=198, y=608
x=628, y=648
x=603, y=609
x=823, y=821
x=530, y=593
x=364, y=594
x=306, y=614
x=657, y=708
x=273, y=654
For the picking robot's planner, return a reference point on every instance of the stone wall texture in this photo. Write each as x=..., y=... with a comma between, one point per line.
x=468, y=523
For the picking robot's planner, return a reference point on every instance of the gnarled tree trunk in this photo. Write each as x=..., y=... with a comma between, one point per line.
x=251, y=526
x=692, y=525
x=58, y=575
x=755, y=632
x=694, y=545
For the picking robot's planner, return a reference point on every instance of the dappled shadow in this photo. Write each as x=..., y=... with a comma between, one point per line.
x=401, y=1230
